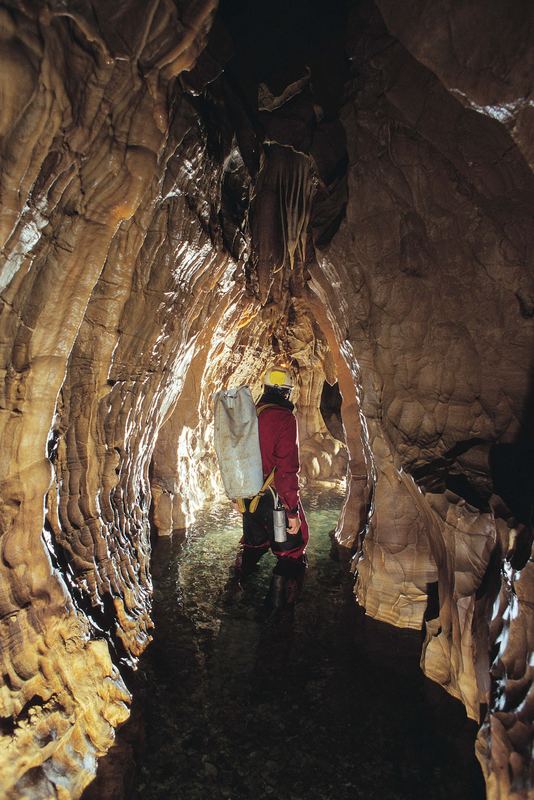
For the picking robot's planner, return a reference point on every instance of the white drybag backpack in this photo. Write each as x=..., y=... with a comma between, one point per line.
x=237, y=442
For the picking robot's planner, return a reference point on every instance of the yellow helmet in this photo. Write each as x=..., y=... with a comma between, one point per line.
x=278, y=377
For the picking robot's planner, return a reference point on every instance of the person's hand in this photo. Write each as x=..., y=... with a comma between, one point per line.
x=235, y=507
x=293, y=525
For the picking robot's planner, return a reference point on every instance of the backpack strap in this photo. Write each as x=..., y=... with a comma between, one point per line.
x=266, y=405
x=269, y=480
x=266, y=484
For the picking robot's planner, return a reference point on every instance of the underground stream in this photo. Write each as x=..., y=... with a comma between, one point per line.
x=330, y=705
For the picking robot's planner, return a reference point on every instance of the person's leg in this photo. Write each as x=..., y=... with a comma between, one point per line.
x=288, y=574
x=294, y=546
x=247, y=558
x=255, y=541
x=292, y=571
x=286, y=584
x=253, y=545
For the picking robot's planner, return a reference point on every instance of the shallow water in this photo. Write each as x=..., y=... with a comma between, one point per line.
x=328, y=706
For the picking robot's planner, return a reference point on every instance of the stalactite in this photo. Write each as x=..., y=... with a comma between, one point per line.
x=295, y=190
x=281, y=212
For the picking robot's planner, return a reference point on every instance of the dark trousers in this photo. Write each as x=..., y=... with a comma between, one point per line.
x=258, y=538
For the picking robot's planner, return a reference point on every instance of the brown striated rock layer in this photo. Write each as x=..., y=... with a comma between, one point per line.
x=98, y=159
x=118, y=295
x=186, y=196
x=437, y=248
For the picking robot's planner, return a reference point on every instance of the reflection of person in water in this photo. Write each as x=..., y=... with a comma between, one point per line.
x=280, y=460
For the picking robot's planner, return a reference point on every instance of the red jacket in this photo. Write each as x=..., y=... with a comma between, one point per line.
x=280, y=448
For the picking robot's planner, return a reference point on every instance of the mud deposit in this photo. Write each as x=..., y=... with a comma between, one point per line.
x=329, y=705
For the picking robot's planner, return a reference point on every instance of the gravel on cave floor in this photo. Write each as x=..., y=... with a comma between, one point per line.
x=329, y=705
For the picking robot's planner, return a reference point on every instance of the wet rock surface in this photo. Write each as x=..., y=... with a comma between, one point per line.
x=326, y=704
x=189, y=193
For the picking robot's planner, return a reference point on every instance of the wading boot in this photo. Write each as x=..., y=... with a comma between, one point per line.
x=245, y=564
x=232, y=591
x=286, y=585
x=295, y=574
x=275, y=605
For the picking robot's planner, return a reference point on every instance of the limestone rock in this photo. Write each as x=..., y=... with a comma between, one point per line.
x=163, y=234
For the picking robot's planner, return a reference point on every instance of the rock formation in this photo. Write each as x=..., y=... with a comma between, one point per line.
x=188, y=192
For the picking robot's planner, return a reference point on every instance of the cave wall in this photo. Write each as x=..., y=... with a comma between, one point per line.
x=178, y=207
x=481, y=53
x=124, y=245
x=433, y=270
x=107, y=196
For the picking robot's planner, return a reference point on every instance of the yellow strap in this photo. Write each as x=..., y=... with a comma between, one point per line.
x=268, y=480
x=255, y=500
x=267, y=405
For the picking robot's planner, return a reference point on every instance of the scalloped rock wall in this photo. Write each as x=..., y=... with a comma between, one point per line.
x=184, y=198
x=435, y=261
x=119, y=287
x=98, y=167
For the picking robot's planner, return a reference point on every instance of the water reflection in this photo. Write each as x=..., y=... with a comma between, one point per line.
x=328, y=705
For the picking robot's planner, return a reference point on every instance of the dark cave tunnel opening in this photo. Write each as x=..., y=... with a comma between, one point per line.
x=331, y=412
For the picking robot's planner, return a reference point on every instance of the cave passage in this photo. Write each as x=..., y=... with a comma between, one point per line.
x=317, y=707
x=188, y=192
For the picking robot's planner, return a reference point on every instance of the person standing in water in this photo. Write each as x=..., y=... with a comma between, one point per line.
x=278, y=435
